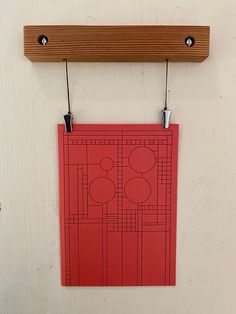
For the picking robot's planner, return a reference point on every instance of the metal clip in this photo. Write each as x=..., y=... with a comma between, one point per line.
x=68, y=122
x=165, y=118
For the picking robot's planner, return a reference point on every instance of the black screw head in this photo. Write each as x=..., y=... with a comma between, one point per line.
x=189, y=41
x=43, y=40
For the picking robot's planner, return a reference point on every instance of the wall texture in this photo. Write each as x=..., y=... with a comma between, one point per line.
x=33, y=100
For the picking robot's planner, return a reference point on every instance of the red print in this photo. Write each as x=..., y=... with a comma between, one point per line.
x=118, y=204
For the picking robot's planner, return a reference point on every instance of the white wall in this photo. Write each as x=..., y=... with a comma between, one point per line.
x=33, y=100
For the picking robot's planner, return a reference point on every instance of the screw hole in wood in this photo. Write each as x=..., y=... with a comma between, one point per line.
x=189, y=41
x=43, y=40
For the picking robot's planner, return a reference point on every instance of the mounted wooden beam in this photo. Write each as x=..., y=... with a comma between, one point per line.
x=116, y=43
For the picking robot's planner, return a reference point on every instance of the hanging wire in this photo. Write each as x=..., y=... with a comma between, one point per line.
x=166, y=88
x=165, y=113
x=68, y=117
x=68, y=88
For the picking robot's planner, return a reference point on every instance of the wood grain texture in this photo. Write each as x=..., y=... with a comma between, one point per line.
x=116, y=43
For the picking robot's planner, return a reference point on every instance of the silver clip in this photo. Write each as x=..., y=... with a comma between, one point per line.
x=165, y=118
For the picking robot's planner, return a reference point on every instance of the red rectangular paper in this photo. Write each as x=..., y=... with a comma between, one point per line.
x=118, y=191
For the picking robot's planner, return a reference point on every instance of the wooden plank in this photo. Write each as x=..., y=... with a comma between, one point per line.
x=116, y=43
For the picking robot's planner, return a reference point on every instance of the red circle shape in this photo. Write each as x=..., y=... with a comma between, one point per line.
x=137, y=190
x=102, y=190
x=106, y=164
x=142, y=159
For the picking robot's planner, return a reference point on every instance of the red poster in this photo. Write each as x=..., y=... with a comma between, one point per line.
x=118, y=190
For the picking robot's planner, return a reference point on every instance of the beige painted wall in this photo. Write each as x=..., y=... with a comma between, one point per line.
x=33, y=100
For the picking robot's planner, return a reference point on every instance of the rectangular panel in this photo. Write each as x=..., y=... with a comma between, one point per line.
x=89, y=263
x=130, y=261
x=118, y=187
x=115, y=259
x=116, y=43
x=154, y=258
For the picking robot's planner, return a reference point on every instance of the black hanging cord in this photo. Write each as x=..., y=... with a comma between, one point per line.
x=166, y=88
x=68, y=117
x=165, y=112
x=68, y=89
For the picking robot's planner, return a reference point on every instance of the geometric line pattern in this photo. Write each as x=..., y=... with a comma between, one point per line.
x=118, y=191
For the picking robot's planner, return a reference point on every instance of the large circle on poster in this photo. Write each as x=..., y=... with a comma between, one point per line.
x=142, y=159
x=137, y=190
x=102, y=190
